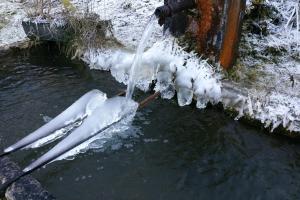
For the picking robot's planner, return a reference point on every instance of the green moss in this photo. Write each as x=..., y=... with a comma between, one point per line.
x=261, y=11
x=252, y=75
x=236, y=73
x=2, y=25
x=68, y=5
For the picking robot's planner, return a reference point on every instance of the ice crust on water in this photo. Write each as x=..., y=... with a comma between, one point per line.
x=78, y=110
x=109, y=112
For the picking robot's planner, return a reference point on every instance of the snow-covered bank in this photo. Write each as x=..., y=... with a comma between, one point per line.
x=269, y=63
x=269, y=98
x=175, y=69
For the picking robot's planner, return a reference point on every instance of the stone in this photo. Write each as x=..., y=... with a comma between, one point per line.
x=25, y=188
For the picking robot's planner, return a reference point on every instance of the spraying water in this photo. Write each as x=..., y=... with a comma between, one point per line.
x=138, y=56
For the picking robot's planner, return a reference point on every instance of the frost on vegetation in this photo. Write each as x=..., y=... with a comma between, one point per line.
x=281, y=110
x=281, y=24
x=287, y=33
x=272, y=111
x=169, y=65
x=272, y=51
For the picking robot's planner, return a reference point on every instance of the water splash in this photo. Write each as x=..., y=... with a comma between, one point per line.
x=138, y=56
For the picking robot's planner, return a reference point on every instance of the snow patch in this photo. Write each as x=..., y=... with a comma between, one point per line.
x=12, y=31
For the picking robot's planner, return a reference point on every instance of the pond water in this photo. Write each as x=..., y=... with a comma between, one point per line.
x=178, y=153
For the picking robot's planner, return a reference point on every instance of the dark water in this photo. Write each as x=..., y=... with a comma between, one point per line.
x=182, y=153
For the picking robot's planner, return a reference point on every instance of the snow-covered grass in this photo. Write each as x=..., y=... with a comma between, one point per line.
x=287, y=34
x=128, y=17
x=274, y=56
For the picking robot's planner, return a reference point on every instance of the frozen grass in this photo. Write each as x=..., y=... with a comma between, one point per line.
x=287, y=34
x=274, y=56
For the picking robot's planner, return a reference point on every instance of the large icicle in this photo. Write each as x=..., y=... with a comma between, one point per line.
x=76, y=111
x=111, y=111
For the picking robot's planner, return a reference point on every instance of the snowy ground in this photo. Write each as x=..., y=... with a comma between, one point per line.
x=267, y=88
x=11, y=15
x=271, y=64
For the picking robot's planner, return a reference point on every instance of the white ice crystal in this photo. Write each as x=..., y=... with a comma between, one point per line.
x=170, y=65
x=287, y=34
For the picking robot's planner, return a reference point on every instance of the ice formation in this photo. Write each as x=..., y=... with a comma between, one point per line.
x=77, y=111
x=54, y=136
x=287, y=35
x=170, y=65
x=110, y=112
x=274, y=58
x=173, y=69
x=272, y=111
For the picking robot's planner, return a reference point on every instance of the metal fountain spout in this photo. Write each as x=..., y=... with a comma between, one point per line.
x=173, y=7
x=172, y=15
